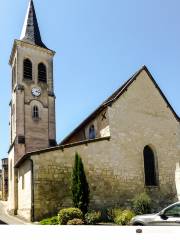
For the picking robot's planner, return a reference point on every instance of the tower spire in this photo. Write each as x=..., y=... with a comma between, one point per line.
x=30, y=32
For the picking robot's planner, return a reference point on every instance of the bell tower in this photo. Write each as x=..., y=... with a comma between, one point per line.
x=32, y=106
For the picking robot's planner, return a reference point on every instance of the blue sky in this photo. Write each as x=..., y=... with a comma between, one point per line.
x=99, y=44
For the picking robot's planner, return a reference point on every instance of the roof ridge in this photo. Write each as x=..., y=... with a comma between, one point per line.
x=125, y=85
x=107, y=102
x=116, y=95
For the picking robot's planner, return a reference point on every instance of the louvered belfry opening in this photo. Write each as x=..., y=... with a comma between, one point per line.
x=42, y=73
x=149, y=167
x=27, y=69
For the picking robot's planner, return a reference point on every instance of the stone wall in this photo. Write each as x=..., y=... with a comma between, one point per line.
x=101, y=125
x=0, y=179
x=25, y=190
x=52, y=177
x=27, y=134
x=139, y=118
x=115, y=166
x=177, y=179
x=37, y=133
x=12, y=183
x=4, y=180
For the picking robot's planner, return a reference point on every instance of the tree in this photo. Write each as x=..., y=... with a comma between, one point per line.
x=80, y=187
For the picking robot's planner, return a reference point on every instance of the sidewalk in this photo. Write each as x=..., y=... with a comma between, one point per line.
x=8, y=219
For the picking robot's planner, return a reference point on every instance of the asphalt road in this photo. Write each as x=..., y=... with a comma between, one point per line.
x=3, y=223
x=5, y=218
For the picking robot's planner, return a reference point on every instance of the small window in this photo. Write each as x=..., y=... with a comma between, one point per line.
x=42, y=74
x=92, y=133
x=21, y=139
x=35, y=113
x=149, y=167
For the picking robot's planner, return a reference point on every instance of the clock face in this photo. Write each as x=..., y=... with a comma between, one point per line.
x=36, y=91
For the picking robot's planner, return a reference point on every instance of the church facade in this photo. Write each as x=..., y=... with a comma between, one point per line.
x=129, y=144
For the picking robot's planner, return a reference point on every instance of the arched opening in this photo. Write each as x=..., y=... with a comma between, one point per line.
x=42, y=73
x=92, y=132
x=27, y=66
x=35, y=112
x=149, y=167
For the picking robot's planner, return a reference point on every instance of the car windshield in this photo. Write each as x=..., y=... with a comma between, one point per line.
x=173, y=211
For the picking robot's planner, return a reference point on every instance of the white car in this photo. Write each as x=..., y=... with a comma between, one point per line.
x=169, y=216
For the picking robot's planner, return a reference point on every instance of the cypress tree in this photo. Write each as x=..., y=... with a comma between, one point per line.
x=80, y=187
x=75, y=181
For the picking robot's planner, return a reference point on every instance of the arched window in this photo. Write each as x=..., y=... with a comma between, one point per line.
x=35, y=112
x=27, y=69
x=42, y=73
x=92, y=133
x=149, y=167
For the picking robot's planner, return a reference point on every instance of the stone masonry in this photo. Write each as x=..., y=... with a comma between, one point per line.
x=114, y=165
x=4, y=179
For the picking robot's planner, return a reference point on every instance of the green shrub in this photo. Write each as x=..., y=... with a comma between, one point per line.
x=142, y=204
x=93, y=217
x=50, y=221
x=113, y=213
x=75, y=221
x=67, y=214
x=124, y=218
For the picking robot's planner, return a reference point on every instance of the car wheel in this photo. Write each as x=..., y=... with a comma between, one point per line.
x=138, y=224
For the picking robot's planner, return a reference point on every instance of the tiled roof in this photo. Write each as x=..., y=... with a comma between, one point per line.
x=30, y=32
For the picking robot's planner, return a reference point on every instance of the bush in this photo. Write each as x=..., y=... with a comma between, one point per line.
x=67, y=214
x=75, y=221
x=125, y=217
x=113, y=213
x=142, y=204
x=50, y=221
x=93, y=217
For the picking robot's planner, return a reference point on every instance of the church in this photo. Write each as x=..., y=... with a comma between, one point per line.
x=129, y=144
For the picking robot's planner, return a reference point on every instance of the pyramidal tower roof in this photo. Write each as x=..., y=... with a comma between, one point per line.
x=30, y=32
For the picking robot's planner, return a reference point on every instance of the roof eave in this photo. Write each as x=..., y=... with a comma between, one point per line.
x=60, y=147
x=162, y=94
x=114, y=97
x=105, y=104
x=83, y=123
x=13, y=52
